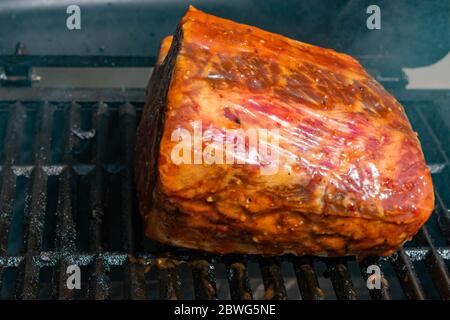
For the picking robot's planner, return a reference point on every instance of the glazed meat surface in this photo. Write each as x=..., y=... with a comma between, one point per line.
x=340, y=171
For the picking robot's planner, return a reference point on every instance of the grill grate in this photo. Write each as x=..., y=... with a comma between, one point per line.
x=67, y=197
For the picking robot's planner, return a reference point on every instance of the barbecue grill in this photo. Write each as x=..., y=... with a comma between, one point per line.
x=67, y=192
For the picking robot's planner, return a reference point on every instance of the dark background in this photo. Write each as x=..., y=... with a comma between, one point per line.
x=413, y=33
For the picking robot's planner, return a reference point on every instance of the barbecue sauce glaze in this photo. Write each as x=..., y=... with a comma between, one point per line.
x=351, y=177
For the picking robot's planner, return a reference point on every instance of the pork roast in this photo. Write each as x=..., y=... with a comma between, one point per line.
x=338, y=171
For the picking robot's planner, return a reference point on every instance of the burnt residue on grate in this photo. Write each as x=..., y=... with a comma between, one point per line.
x=67, y=198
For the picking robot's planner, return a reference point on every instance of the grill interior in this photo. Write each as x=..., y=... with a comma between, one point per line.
x=67, y=197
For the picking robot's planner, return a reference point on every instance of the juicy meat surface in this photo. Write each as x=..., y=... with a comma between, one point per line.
x=350, y=177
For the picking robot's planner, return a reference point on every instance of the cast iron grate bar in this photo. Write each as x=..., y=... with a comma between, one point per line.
x=237, y=276
x=99, y=281
x=169, y=278
x=66, y=231
x=272, y=279
x=134, y=284
x=204, y=279
x=432, y=134
x=42, y=152
x=337, y=270
x=134, y=280
x=41, y=156
x=13, y=143
x=98, y=186
x=406, y=274
x=307, y=279
x=127, y=115
x=435, y=264
x=443, y=217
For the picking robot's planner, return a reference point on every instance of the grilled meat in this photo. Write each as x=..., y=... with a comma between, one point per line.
x=347, y=175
